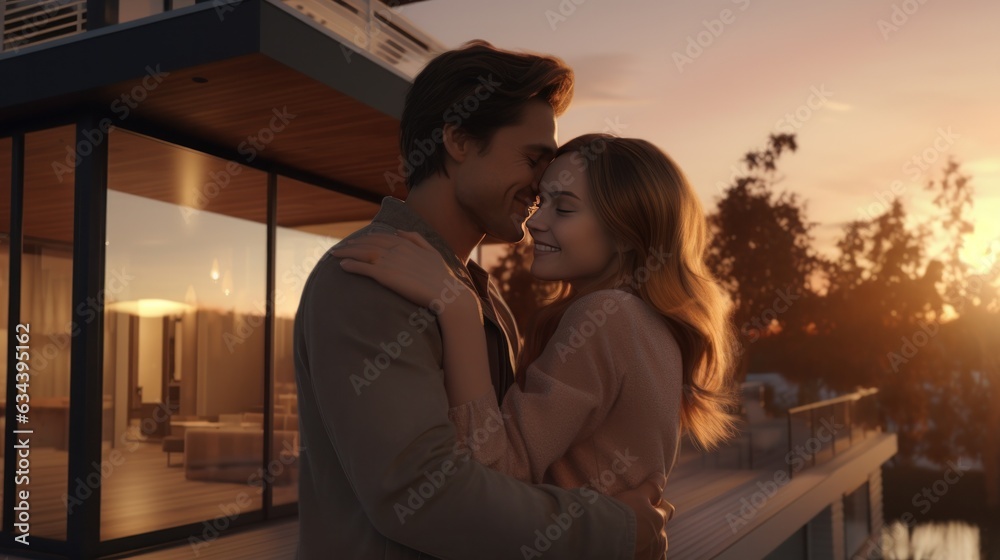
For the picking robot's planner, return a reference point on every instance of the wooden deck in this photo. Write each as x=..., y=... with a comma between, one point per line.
x=708, y=499
x=701, y=496
x=139, y=494
x=274, y=541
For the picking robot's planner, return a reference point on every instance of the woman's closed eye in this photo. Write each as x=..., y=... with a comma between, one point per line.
x=559, y=210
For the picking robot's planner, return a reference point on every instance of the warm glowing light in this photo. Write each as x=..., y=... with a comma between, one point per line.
x=190, y=297
x=227, y=283
x=150, y=307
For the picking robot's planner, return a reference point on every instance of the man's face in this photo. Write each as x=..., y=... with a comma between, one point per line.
x=496, y=189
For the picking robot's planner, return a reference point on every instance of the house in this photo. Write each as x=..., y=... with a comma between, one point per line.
x=169, y=174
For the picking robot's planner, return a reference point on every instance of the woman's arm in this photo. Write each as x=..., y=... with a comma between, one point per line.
x=466, y=365
x=565, y=397
x=567, y=394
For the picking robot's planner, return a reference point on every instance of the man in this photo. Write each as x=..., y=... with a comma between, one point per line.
x=381, y=474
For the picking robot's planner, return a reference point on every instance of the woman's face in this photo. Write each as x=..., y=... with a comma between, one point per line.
x=569, y=242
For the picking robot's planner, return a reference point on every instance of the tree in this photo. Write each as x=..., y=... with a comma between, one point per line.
x=761, y=248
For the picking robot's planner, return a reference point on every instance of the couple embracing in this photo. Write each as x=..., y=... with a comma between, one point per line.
x=431, y=427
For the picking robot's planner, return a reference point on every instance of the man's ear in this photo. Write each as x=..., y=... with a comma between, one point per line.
x=457, y=142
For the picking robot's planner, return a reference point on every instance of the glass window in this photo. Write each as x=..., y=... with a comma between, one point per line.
x=129, y=10
x=184, y=338
x=46, y=310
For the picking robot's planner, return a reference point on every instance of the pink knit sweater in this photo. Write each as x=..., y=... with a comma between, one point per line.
x=600, y=407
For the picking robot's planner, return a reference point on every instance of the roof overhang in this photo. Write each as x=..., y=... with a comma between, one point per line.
x=217, y=74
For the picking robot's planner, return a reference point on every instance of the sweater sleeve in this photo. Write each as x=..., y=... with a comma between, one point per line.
x=567, y=394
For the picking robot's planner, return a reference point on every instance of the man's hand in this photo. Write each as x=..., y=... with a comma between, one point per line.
x=651, y=515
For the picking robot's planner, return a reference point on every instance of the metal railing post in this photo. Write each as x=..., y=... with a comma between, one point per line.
x=790, y=470
x=848, y=421
x=812, y=430
x=833, y=417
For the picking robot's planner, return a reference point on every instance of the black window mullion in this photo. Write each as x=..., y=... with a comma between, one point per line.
x=87, y=348
x=13, y=318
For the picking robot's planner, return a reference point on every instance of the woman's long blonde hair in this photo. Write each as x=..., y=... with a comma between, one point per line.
x=646, y=204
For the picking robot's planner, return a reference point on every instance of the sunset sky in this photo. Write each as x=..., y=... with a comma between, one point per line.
x=874, y=84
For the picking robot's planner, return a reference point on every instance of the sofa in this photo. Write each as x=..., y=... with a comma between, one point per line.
x=234, y=454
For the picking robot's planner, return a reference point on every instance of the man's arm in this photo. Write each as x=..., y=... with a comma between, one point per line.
x=374, y=364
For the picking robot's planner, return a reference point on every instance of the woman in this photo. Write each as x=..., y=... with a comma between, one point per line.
x=635, y=346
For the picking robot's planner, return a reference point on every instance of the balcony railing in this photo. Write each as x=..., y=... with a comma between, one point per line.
x=858, y=413
x=805, y=436
x=29, y=22
x=362, y=26
x=372, y=27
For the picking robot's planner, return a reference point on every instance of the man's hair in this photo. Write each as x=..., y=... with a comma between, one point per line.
x=478, y=88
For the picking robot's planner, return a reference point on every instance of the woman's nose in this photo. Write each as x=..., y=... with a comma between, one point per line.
x=534, y=222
